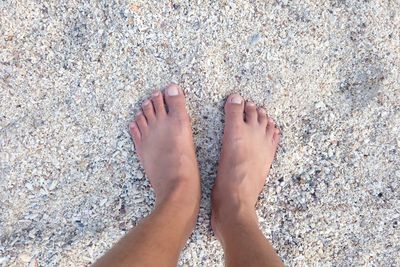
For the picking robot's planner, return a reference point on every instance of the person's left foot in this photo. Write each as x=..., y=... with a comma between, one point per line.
x=163, y=140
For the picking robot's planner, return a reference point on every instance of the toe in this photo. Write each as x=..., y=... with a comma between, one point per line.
x=270, y=128
x=135, y=133
x=141, y=123
x=262, y=116
x=158, y=103
x=148, y=111
x=250, y=112
x=234, y=108
x=175, y=100
x=276, y=137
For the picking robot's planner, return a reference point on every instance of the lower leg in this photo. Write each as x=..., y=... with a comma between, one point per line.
x=242, y=240
x=248, y=149
x=159, y=238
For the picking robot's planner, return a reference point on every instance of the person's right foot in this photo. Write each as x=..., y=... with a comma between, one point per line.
x=248, y=149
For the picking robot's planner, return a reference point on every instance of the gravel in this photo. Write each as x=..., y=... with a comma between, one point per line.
x=72, y=74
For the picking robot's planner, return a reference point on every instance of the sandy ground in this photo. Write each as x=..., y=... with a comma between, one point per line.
x=72, y=75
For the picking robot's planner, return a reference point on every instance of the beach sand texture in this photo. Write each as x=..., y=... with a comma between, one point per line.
x=73, y=74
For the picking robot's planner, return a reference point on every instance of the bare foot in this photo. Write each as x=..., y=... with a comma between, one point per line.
x=248, y=149
x=163, y=140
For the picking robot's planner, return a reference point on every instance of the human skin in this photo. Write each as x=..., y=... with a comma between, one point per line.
x=248, y=149
x=164, y=143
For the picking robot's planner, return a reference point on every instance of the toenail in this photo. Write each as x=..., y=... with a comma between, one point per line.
x=145, y=103
x=132, y=125
x=250, y=104
x=139, y=114
x=156, y=93
x=172, y=91
x=236, y=99
x=271, y=120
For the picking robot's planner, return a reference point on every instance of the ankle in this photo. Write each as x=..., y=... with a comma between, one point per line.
x=233, y=214
x=234, y=223
x=227, y=215
x=181, y=197
x=231, y=204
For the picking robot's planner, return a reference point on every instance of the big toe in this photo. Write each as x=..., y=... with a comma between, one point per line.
x=175, y=100
x=234, y=109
